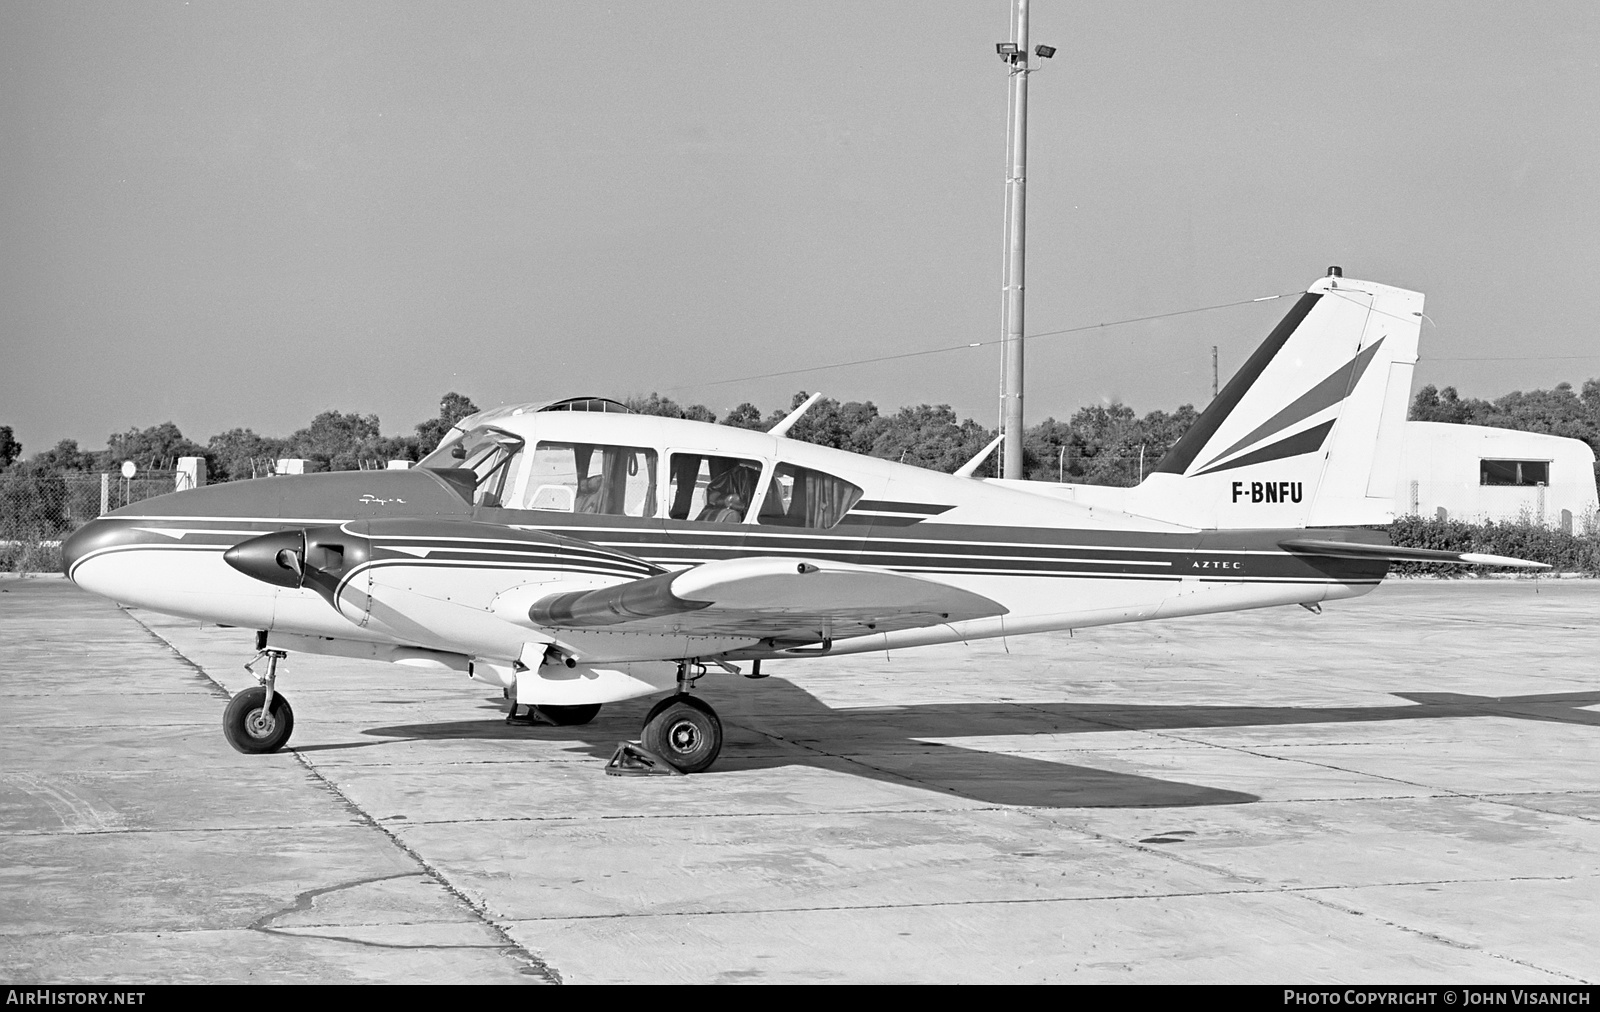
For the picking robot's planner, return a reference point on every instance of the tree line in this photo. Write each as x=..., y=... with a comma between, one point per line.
x=1097, y=445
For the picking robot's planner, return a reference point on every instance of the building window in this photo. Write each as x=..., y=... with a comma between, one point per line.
x=1513, y=472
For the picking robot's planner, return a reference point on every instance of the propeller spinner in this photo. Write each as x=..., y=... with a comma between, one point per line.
x=315, y=557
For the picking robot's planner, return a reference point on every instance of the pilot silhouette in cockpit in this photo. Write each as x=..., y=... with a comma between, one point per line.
x=726, y=500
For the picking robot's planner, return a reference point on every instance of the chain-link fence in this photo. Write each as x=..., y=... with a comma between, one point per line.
x=1100, y=469
x=39, y=509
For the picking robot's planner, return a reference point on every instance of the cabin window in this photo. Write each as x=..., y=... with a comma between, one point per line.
x=800, y=497
x=590, y=478
x=1513, y=472
x=479, y=464
x=712, y=489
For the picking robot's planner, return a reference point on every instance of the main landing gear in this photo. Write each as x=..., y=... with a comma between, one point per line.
x=259, y=720
x=681, y=735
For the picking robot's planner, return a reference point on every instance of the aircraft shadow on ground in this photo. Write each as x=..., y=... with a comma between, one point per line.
x=783, y=725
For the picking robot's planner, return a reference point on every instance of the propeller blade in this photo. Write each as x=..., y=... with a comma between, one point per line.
x=277, y=558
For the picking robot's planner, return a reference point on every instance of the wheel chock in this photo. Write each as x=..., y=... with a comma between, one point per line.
x=632, y=759
x=533, y=718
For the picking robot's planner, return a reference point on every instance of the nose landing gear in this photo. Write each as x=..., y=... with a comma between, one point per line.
x=259, y=720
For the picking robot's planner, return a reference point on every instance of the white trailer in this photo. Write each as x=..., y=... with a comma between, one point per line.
x=1475, y=473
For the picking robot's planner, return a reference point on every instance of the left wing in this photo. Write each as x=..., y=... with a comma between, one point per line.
x=784, y=601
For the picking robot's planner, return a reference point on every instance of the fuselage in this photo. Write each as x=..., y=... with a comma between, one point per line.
x=545, y=500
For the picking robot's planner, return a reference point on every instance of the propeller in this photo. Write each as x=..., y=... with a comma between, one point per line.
x=314, y=557
x=277, y=558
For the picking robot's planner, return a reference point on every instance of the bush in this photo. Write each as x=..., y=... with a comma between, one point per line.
x=30, y=556
x=1565, y=553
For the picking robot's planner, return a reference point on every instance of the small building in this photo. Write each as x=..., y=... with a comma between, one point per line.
x=191, y=473
x=1475, y=473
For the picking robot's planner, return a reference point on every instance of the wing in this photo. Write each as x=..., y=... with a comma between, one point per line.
x=1359, y=550
x=784, y=601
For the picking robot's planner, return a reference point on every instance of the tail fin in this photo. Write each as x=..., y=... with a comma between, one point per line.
x=1308, y=433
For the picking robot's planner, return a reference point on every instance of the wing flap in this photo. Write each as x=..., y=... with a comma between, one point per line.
x=785, y=600
x=1393, y=553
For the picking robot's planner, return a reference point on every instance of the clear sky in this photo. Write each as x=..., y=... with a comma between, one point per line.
x=241, y=214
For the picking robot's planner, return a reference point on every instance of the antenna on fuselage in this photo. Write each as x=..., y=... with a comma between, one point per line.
x=784, y=426
x=966, y=470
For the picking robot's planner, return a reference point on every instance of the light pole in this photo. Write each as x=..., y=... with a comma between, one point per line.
x=1015, y=53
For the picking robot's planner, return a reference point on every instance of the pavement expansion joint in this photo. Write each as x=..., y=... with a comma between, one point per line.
x=804, y=815
x=536, y=966
x=150, y=831
x=217, y=688
x=1432, y=789
x=1434, y=936
x=1308, y=891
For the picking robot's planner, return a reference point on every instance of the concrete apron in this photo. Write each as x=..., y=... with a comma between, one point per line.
x=1401, y=789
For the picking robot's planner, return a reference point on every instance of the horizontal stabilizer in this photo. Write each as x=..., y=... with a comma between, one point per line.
x=1355, y=550
x=778, y=599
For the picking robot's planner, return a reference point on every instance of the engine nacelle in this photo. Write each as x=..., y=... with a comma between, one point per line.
x=557, y=684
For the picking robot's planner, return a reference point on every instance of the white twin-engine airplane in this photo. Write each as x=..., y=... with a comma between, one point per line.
x=574, y=554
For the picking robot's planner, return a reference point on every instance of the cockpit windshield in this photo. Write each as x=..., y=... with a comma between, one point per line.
x=479, y=463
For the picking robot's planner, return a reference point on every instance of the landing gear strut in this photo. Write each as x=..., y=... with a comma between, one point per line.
x=259, y=720
x=681, y=735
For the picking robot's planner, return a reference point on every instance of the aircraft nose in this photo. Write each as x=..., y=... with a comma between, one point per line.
x=93, y=538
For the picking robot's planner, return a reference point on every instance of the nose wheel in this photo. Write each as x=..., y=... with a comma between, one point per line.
x=254, y=726
x=259, y=719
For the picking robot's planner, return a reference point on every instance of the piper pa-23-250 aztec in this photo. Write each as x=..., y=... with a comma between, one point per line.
x=575, y=554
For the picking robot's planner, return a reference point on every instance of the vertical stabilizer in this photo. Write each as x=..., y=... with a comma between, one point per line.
x=1307, y=434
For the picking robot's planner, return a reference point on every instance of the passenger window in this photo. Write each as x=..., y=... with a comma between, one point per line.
x=801, y=497
x=587, y=478
x=712, y=489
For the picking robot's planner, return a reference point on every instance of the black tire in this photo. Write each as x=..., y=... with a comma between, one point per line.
x=246, y=730
x=569, y=716
x=684, y=731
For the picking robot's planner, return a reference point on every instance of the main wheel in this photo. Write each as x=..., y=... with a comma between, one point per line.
x=569, y=716
x=248, y=726
x=684, y=731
